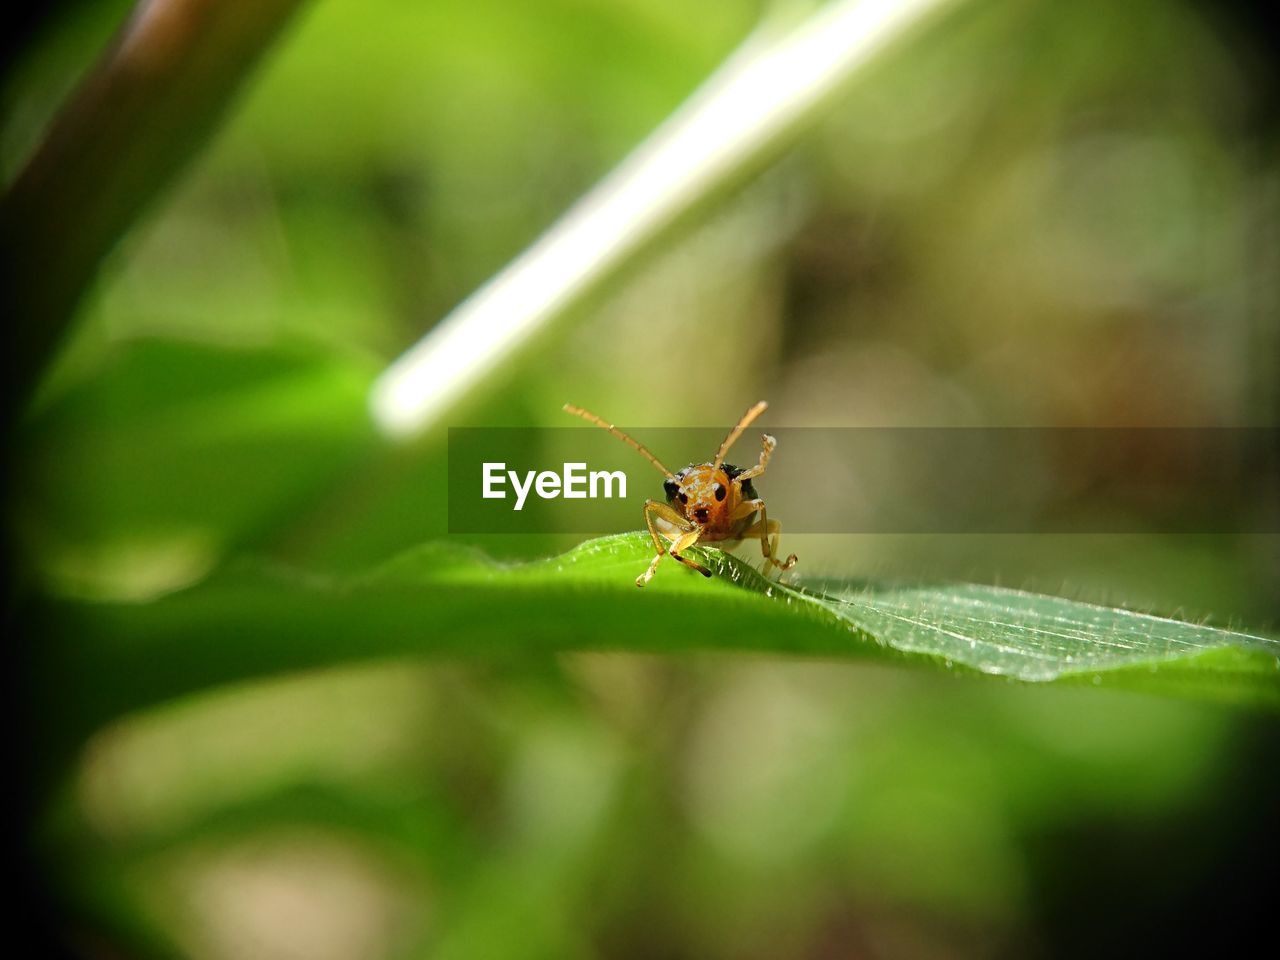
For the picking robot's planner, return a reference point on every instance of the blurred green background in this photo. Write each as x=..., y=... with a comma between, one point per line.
x=1031, y=214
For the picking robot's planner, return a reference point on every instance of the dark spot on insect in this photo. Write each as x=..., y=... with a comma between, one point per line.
x=700, y=514
x=671, y=488
x=684, y=497
x=720, y=491
x=730, y=471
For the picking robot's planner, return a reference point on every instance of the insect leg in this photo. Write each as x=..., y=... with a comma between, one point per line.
x=686, y=541
x=767, y=443
x=688, y=536
x=769, y=532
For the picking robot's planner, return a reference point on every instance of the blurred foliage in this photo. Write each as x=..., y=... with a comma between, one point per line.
x=1035, y=214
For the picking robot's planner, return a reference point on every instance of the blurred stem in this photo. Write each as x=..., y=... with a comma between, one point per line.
x=759, y=98
x=123, y=136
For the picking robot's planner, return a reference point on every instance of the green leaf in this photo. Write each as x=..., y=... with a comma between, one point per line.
x=1037, y=638
x=142, y=473
x=442, y=600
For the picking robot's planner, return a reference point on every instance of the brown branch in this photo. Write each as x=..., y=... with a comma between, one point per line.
x=124, y=135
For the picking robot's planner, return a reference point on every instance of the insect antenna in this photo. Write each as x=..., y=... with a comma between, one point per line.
x=747, y=419
x=590, y=417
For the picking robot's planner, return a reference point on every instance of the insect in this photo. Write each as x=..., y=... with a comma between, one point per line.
x=711, y=502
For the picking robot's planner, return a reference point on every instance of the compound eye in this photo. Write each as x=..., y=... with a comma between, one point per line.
x=671, y=488
x=719, y=491
x=684, y=497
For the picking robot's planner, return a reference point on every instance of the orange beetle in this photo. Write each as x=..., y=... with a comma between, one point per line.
x=712, y=501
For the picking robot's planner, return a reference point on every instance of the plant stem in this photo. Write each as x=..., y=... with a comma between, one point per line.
x=135, y=121
x=760, y=96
